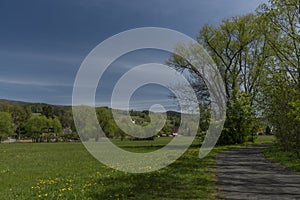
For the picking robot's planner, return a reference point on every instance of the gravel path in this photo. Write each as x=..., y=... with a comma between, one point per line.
x=244, y=173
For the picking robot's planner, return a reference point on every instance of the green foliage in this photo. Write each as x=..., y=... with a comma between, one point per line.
x=280, y=99
x=6, y=126
x=65, y=116
x=239, y=123
x=35, y=126
x=85, y=122
x=18, y=114
x=284, y=33
x=19, y=118
x=47, y=110
x=40, y=127
x=141, y=118
x=59, y=125
x=238, y=47
x=295, y=110
x=283, y=113
x=55, y=125
x=4, y=107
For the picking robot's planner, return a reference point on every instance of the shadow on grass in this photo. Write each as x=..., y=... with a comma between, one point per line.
x=187, y=178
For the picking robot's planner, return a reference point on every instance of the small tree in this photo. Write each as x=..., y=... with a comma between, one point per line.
x=6, y=126
x=35, y=126
x=19, y=118
x=55, y=125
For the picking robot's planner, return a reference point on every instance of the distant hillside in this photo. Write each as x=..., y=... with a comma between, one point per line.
x=23, y=103
x=104, y=114
x=13, y=102
x=173, y=114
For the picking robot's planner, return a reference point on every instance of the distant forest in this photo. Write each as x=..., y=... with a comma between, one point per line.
x=42, y=122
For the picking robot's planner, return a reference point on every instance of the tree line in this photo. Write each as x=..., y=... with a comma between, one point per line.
x=39, y=122
x=51, y=123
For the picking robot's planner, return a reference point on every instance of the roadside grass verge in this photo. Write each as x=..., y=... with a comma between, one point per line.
x=287, y=159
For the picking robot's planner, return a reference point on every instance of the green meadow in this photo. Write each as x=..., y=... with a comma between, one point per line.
x=68, y=171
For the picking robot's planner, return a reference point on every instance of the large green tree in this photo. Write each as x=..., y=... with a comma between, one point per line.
x=281, y=91
x=238, y=47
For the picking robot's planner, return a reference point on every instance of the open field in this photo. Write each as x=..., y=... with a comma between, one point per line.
x=68, y=171
x=265, y=139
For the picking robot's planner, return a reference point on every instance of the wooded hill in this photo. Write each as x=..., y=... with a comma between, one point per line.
x=46, y=122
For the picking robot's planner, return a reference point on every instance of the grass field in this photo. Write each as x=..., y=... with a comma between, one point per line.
x=265, y=139
x=68, y=171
